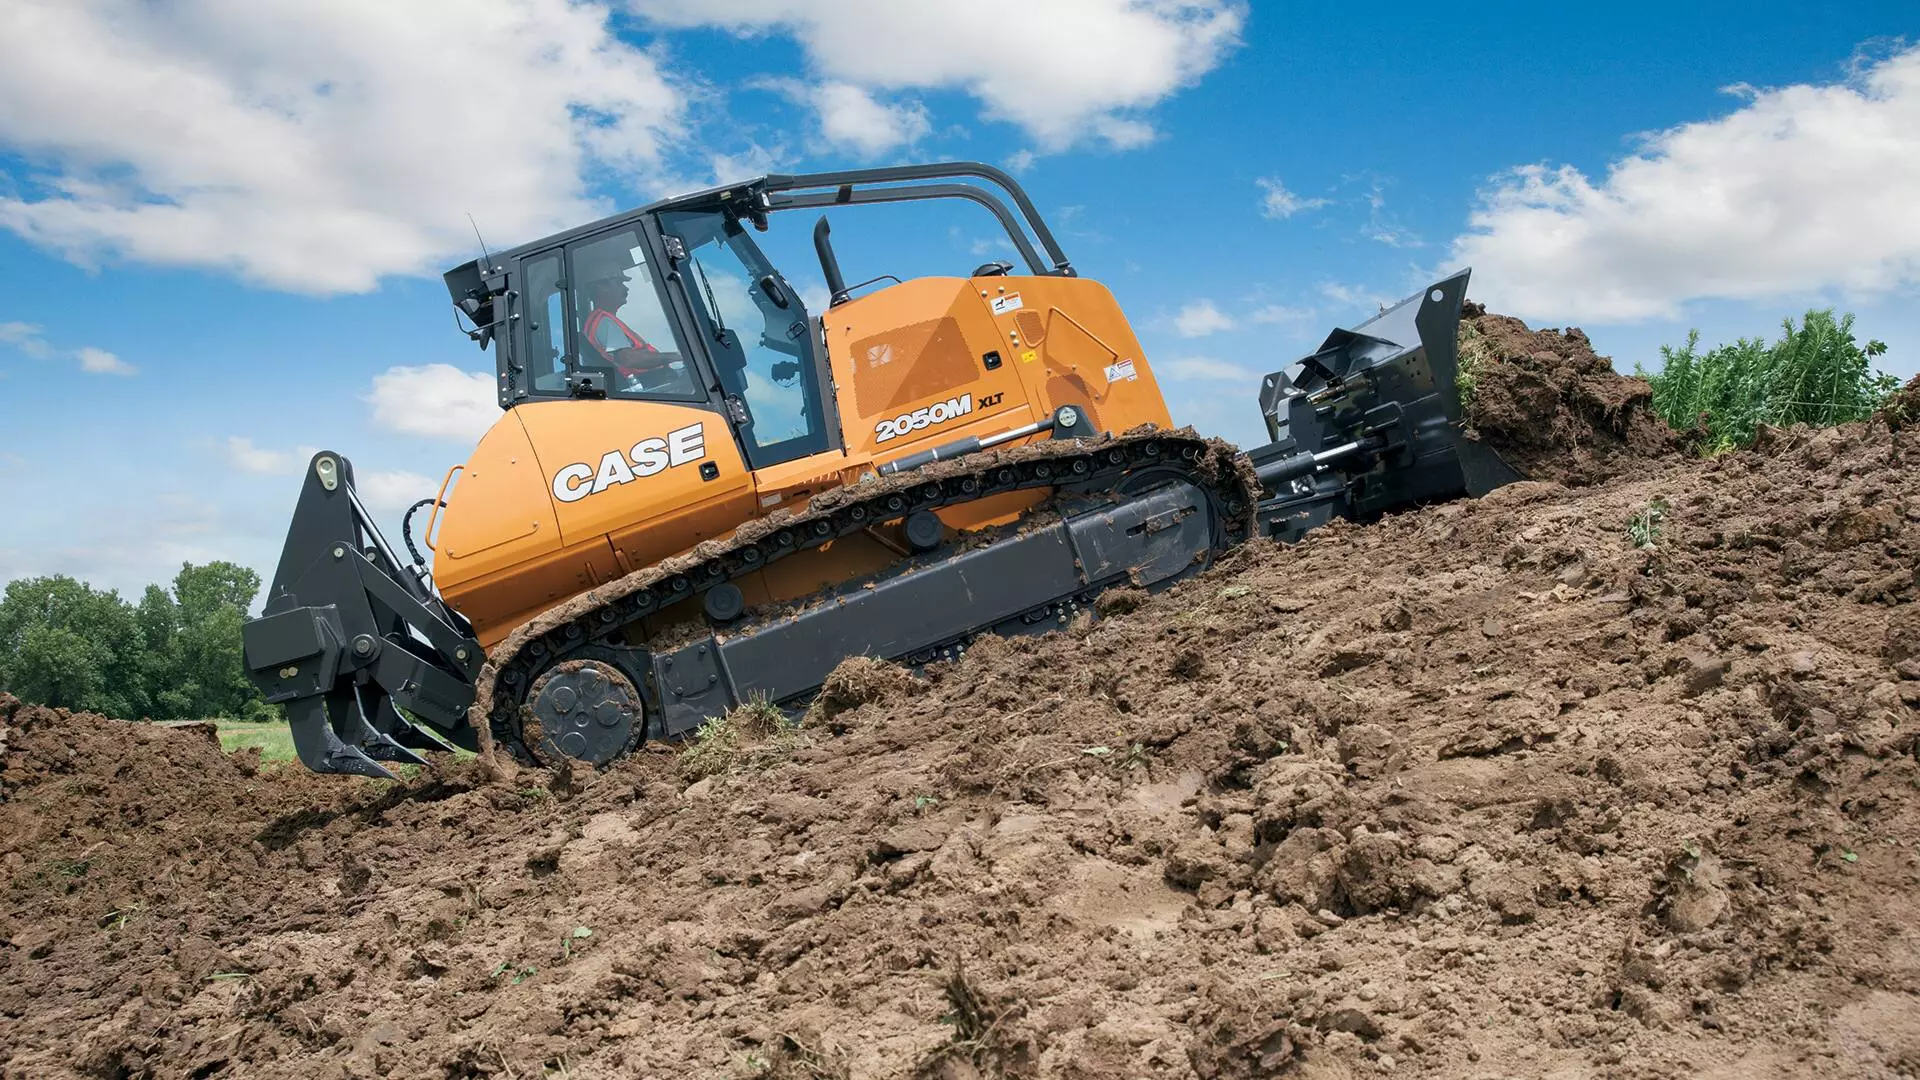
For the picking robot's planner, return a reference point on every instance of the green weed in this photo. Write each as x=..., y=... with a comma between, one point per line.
x=1815, y=374
x=69, y=868
x=1134, y=758
x=520, y=973
x=1474, y=354
x=1643, y=528
x=117, y=920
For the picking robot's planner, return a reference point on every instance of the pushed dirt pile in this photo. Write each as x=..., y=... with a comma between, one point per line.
x=1552, y=406
x=1490, y=790
x=1902, y=409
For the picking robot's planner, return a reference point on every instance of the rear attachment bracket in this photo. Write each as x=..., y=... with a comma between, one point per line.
x=349, y=637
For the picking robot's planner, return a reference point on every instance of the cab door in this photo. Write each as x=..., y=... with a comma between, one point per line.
x=755, y=329
x=635, y=454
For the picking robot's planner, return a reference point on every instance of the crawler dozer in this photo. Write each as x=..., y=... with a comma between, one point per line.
x=700, y=493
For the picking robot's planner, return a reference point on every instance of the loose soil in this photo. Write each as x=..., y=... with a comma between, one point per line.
x=1482, y=791
x=1553, y=407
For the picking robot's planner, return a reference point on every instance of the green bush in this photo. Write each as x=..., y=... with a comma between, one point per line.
x=1815, y=374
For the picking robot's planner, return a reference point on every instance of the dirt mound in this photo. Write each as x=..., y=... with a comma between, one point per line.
x=84, y=796
x=1486, y=790
x=1552, y=406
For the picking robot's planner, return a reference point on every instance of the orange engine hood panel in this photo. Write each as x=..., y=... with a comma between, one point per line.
x=932, y=360
x=498, y=513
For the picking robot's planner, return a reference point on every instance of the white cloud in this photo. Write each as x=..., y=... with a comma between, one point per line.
x=436, y=400
x=1382, y=227
x=1358, y=295
x=1062, y=70
x=1389, y=233
x=1203, y=368
x=1020, y=161
x=814, y=295
x=755, y=160
x=29, y=339
x=850, y=118
x=1281, y=203
x=254, y=459
x=1281, y=314
x=242, y=454
x=318, y=147
x=1201, y=318
x=1123, y=133
x=125, y=544
x=26, y=338
x=101, y=362
x=1802, y=189
x=393, y=490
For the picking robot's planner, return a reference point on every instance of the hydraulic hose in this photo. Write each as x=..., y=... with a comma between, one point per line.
x=406, y=530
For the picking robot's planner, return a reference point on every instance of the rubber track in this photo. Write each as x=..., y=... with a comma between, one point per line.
x=1086, y=465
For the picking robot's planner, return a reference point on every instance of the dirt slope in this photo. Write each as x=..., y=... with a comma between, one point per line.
x=1484, y=791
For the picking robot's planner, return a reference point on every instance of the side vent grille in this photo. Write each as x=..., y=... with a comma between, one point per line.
x=1033, y=329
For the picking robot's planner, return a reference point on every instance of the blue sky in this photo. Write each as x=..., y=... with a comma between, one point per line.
x=221, y=222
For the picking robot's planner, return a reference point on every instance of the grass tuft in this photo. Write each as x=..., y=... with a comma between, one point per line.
x=754, y=736
x=1474, y=353
x=1643, y=528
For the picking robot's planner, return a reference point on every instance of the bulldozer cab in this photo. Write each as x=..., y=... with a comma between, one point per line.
x=597, y=319
x=756, y=330
x=676, y=303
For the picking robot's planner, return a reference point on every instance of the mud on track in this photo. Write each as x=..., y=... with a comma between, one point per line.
x=1482, y=791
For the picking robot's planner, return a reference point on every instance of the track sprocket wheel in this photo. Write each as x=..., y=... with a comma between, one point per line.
x=587, y=710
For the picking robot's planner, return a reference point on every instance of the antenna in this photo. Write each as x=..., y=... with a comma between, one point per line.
x=485, y=256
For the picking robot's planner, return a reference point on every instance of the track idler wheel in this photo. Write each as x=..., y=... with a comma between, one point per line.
x=587, y=710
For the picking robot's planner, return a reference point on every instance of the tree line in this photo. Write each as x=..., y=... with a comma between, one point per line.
x=175, y=655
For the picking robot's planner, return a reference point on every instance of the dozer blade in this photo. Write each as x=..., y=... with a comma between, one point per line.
x=1372, y=422
x=349, y=637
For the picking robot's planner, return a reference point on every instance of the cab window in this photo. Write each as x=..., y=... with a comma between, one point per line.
x=546, y=360
x=619, y=327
